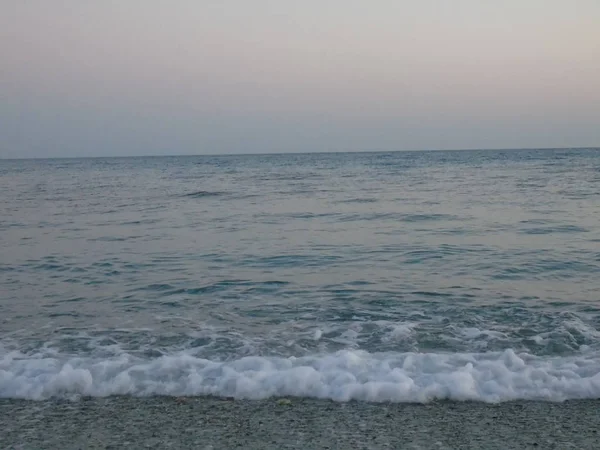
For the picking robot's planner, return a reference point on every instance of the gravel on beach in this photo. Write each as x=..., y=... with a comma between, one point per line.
x=214, y=423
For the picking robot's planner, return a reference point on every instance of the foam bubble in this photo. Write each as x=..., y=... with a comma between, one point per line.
x=399, y=332
x=341, y=376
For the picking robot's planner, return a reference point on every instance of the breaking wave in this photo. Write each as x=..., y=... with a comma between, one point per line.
x=342, y=376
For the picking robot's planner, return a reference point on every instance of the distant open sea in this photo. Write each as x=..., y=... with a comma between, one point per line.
x=383, y=277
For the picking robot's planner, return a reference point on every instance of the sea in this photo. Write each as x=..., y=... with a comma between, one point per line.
x=369, y=277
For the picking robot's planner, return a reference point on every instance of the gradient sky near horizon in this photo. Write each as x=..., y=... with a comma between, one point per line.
x=150, y=77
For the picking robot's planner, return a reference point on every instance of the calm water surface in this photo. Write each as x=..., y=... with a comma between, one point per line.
x=380, y=276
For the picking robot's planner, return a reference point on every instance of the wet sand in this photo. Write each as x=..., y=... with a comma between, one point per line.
x=211, y=423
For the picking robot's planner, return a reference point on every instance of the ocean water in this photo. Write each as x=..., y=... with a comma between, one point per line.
x=402, y=277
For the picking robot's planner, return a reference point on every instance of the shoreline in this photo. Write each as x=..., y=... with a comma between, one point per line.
x=217, y=423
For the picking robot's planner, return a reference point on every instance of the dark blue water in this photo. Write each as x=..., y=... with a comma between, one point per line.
x=379, y=276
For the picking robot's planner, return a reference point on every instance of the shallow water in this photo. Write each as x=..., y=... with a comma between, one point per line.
x=377, y=276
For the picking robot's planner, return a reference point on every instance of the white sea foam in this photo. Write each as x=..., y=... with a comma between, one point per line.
x=397, y=331
x=342, y=376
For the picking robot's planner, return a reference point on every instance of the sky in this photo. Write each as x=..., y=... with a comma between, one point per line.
x=154, y=77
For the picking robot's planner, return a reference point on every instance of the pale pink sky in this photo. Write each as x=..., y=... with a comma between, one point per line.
x=222, y=76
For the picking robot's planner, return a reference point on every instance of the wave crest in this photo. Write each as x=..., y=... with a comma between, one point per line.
x=341, y=376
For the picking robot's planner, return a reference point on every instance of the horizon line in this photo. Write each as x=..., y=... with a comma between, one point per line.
x=304, y=152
